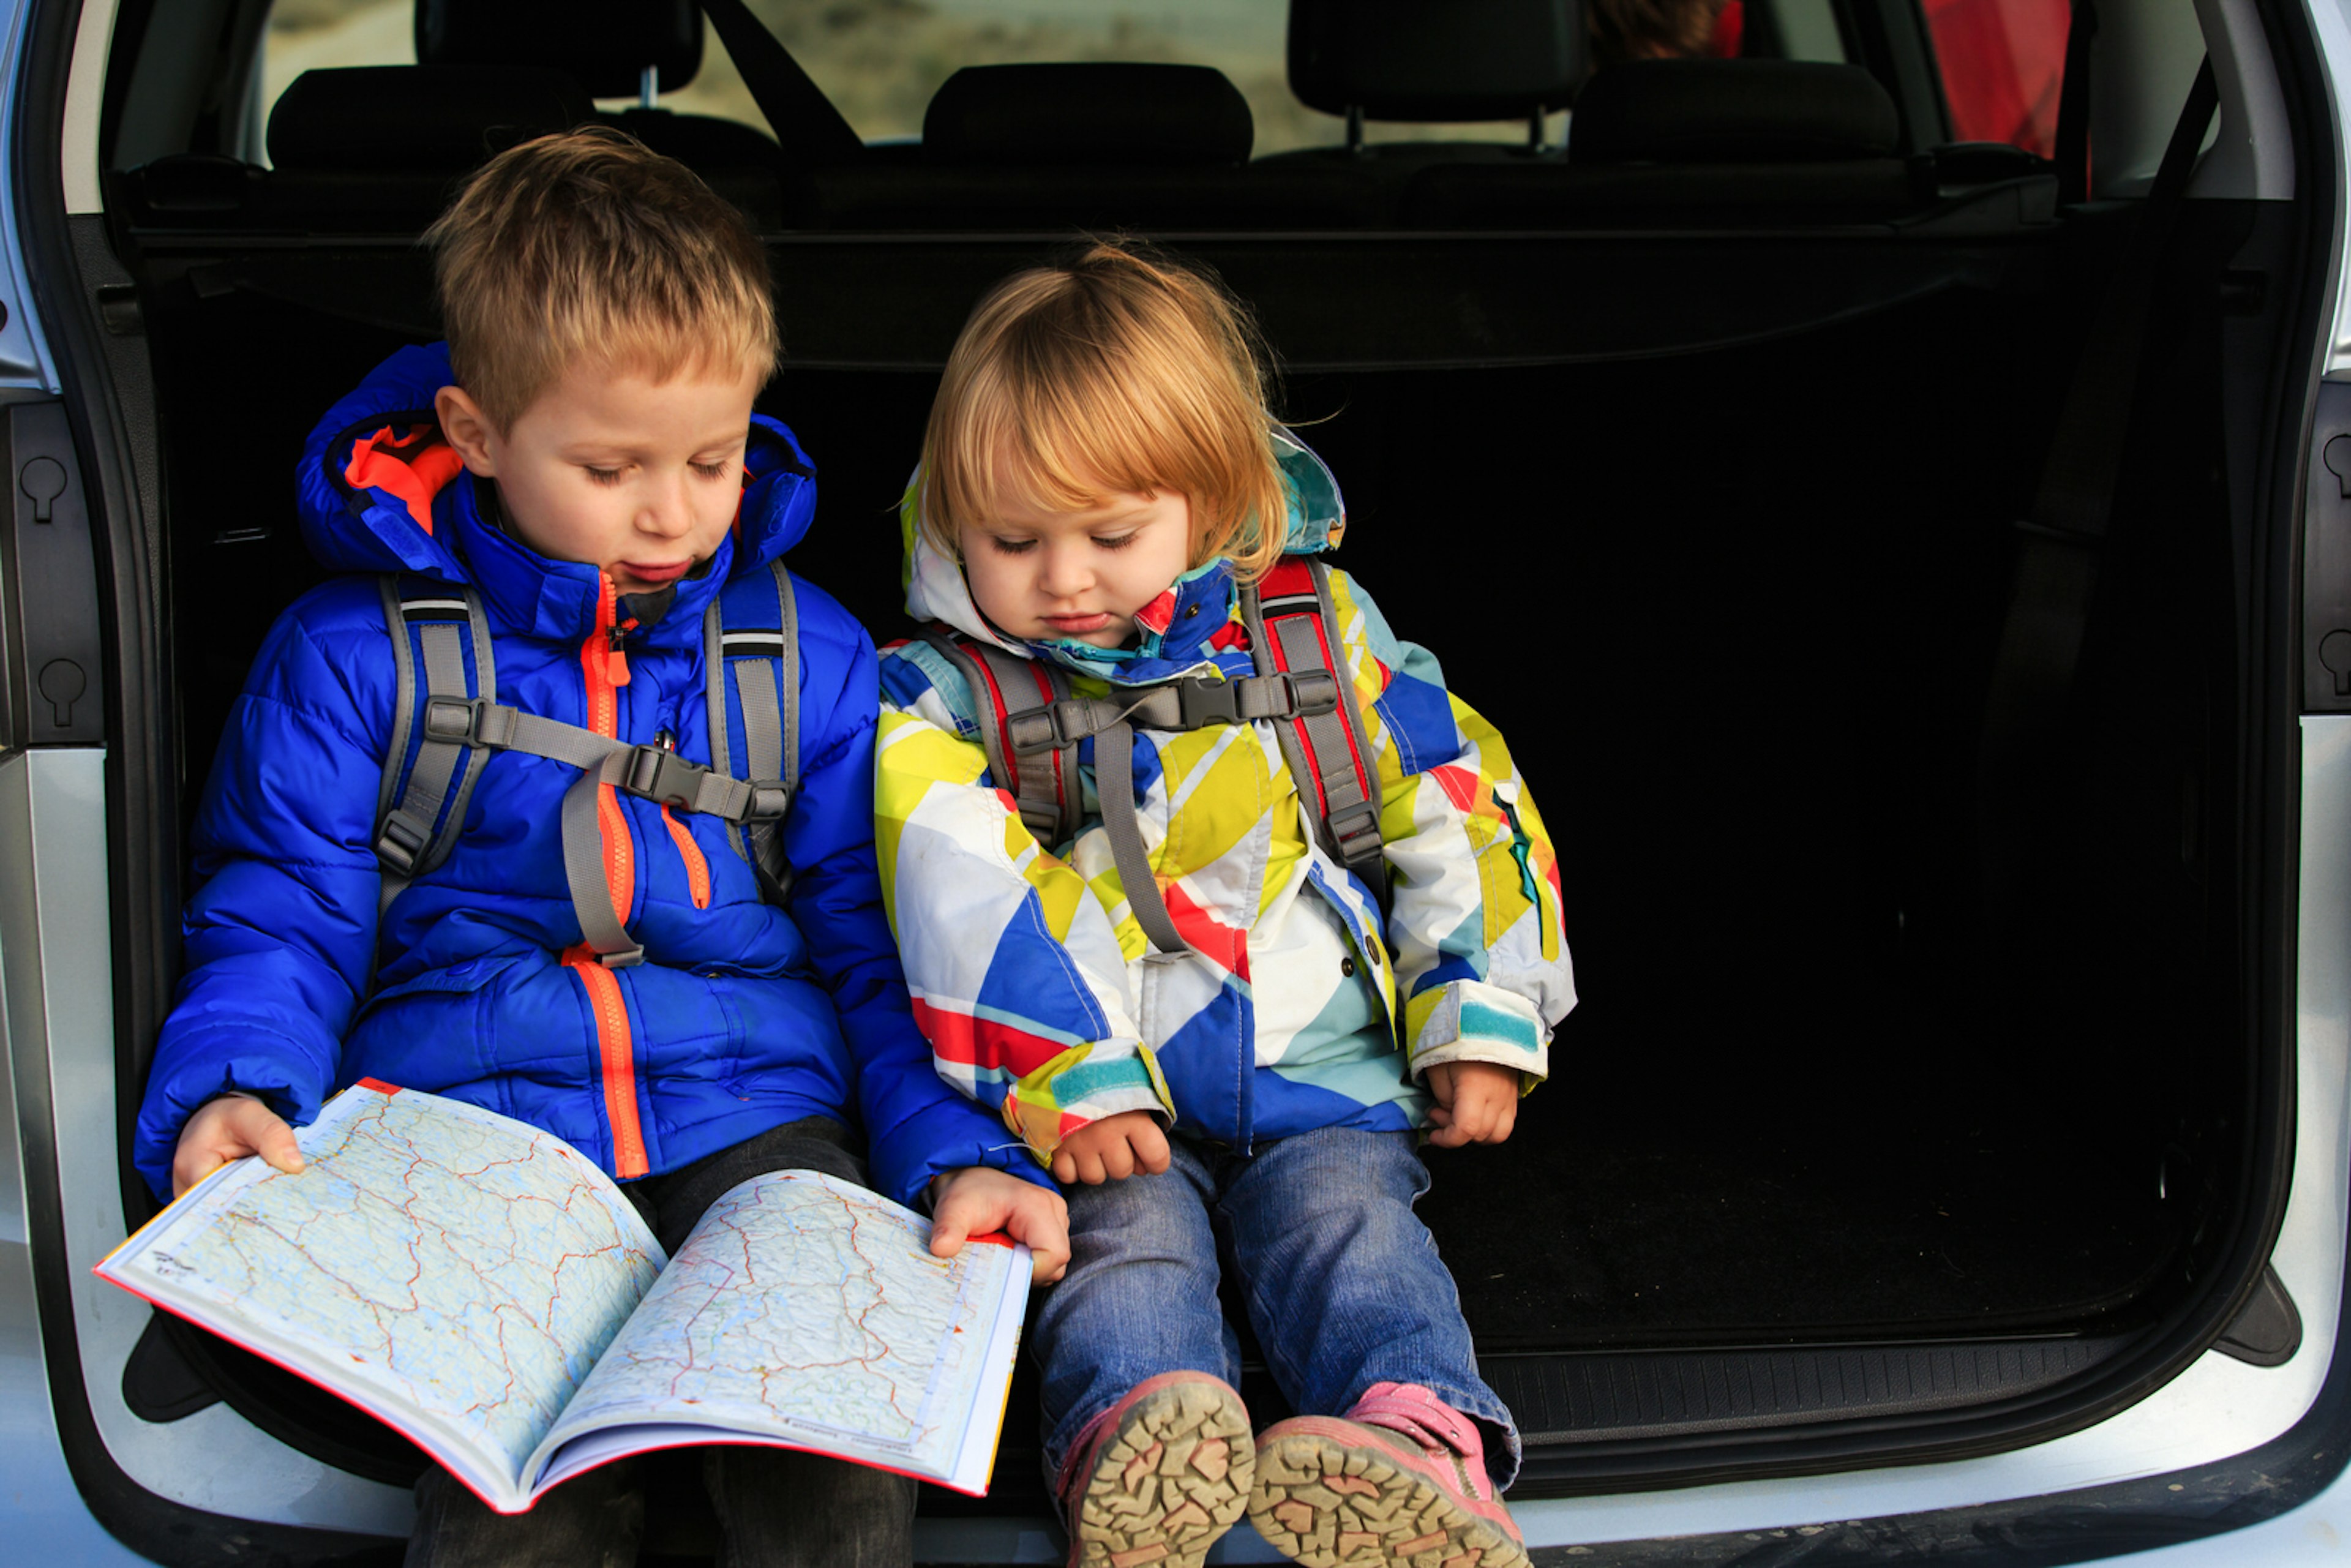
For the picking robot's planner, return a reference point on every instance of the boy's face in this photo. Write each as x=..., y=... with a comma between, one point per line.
x=1042, y=575
x=640, y=479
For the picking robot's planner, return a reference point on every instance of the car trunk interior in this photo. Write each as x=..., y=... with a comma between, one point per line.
x=1915, y=1068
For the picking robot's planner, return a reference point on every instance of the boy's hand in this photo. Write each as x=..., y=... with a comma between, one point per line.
x=1112, y=1149
x=230, y=1128
x=1476, y=1103
x=977, y=1199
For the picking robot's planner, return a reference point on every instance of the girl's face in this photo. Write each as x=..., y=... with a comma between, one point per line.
x=1041, y=575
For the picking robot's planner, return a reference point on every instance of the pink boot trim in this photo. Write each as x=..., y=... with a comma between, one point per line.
x=1437, y=1426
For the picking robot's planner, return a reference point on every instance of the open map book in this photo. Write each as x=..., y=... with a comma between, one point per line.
x=481, y=1286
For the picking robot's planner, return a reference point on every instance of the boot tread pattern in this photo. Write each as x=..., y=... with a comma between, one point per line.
x=1330, y=1504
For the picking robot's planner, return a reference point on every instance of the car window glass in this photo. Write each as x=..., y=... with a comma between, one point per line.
x=1808, y=30
x=881, y=60
x=2003, y=63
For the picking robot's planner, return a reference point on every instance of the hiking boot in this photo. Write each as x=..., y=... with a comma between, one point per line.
x=1159, y=1475
x=1400, y=1479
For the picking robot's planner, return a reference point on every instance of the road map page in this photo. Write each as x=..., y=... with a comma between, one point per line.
x=452, y=1271
x=809, y=1311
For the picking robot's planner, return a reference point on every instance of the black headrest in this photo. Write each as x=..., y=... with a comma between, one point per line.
x=1436, y=60
x=606, y=44
x=1731, y=111
x=418, y=117
x=1102, y=112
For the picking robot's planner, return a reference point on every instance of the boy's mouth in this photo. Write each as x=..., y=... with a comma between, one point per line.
x=655, y=571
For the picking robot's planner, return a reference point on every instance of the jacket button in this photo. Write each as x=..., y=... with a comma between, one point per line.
x=1347, y=966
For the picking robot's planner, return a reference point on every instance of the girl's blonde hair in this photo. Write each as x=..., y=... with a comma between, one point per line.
x=1121, y=371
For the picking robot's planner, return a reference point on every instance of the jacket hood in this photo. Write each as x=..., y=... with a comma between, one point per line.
x=379, y=490
x=1175, y=638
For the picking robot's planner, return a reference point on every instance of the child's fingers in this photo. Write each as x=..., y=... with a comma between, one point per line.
x=1118, y=1161
x=1065, y=1165
x=1150, y=1152
x=273, y=1139
x=1449, y=1138
x=946, y=1236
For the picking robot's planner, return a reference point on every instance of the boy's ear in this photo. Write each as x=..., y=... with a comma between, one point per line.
x=466, y=427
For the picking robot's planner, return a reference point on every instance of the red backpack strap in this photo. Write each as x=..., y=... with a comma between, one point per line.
x=1005, y=688
x=1294, y=629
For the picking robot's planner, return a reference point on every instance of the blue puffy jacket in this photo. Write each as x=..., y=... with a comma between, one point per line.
x=743, y=1014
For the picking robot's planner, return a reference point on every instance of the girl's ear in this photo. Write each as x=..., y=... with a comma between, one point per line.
x=465, y=428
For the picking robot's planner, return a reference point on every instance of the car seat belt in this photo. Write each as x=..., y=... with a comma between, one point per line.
x=452, y=717
x=2073, y=506
x=804, y=122
x=2072, y=140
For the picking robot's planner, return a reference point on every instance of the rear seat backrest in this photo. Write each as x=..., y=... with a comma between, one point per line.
x=1435, y=61
x=609, y=47
x=1099, y=112
x=1101, y=144
x=437, y=120
x=1745, y=141
x=1733, y=112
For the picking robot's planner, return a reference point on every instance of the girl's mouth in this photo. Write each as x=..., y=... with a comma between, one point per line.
x=1078, y=625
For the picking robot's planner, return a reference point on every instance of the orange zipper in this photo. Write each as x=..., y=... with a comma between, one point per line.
x=697, y=870
x=605, y=669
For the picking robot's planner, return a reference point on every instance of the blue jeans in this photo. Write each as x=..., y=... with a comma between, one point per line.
x=1343, y=1282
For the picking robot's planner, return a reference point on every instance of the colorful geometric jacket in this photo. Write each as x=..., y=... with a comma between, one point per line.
x=1043, y=998
x=474, y=983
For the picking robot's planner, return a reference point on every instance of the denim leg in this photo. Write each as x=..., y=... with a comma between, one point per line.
x=592, y=1520
x=1343, y=1283
x=1140, y=1297
x=781, y=1509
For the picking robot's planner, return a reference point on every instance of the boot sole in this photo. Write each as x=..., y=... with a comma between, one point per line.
x=1329, y=1503
x=1174, y=1478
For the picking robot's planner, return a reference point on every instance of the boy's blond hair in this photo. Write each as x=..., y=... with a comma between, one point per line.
x=590, y=244
x=1121, y=371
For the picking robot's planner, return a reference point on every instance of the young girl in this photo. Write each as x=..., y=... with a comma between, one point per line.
x=1187, y=1005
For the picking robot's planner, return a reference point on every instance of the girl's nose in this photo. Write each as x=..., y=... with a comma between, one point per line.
x=1063, y=572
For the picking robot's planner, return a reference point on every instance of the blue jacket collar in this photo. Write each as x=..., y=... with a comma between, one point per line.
x=379, y=491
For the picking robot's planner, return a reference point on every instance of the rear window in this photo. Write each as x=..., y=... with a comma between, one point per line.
x=881, y=60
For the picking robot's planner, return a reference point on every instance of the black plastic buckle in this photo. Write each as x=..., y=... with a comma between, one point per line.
x=1356, y=831
x=450, y=719
x=1035, y=729
x=656, y=773
x=769, y=801
x=1314, y=693
x=399, y=843
x=1203, y=703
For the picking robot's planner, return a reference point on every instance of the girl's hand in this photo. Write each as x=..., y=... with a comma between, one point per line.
x=230, y=1128
x=1476, y=1103
x=1112, y=1149
x=977, y=1199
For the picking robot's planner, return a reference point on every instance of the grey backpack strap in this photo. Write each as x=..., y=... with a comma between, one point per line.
x=1294, y=628
x=751, y=654
x=1007, y=694
x=418, y=815
x=1114, y=785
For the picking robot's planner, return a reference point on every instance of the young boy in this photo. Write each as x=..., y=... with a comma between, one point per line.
x=583, y=456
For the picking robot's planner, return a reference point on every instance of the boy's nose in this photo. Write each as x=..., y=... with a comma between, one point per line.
x=667, y=513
